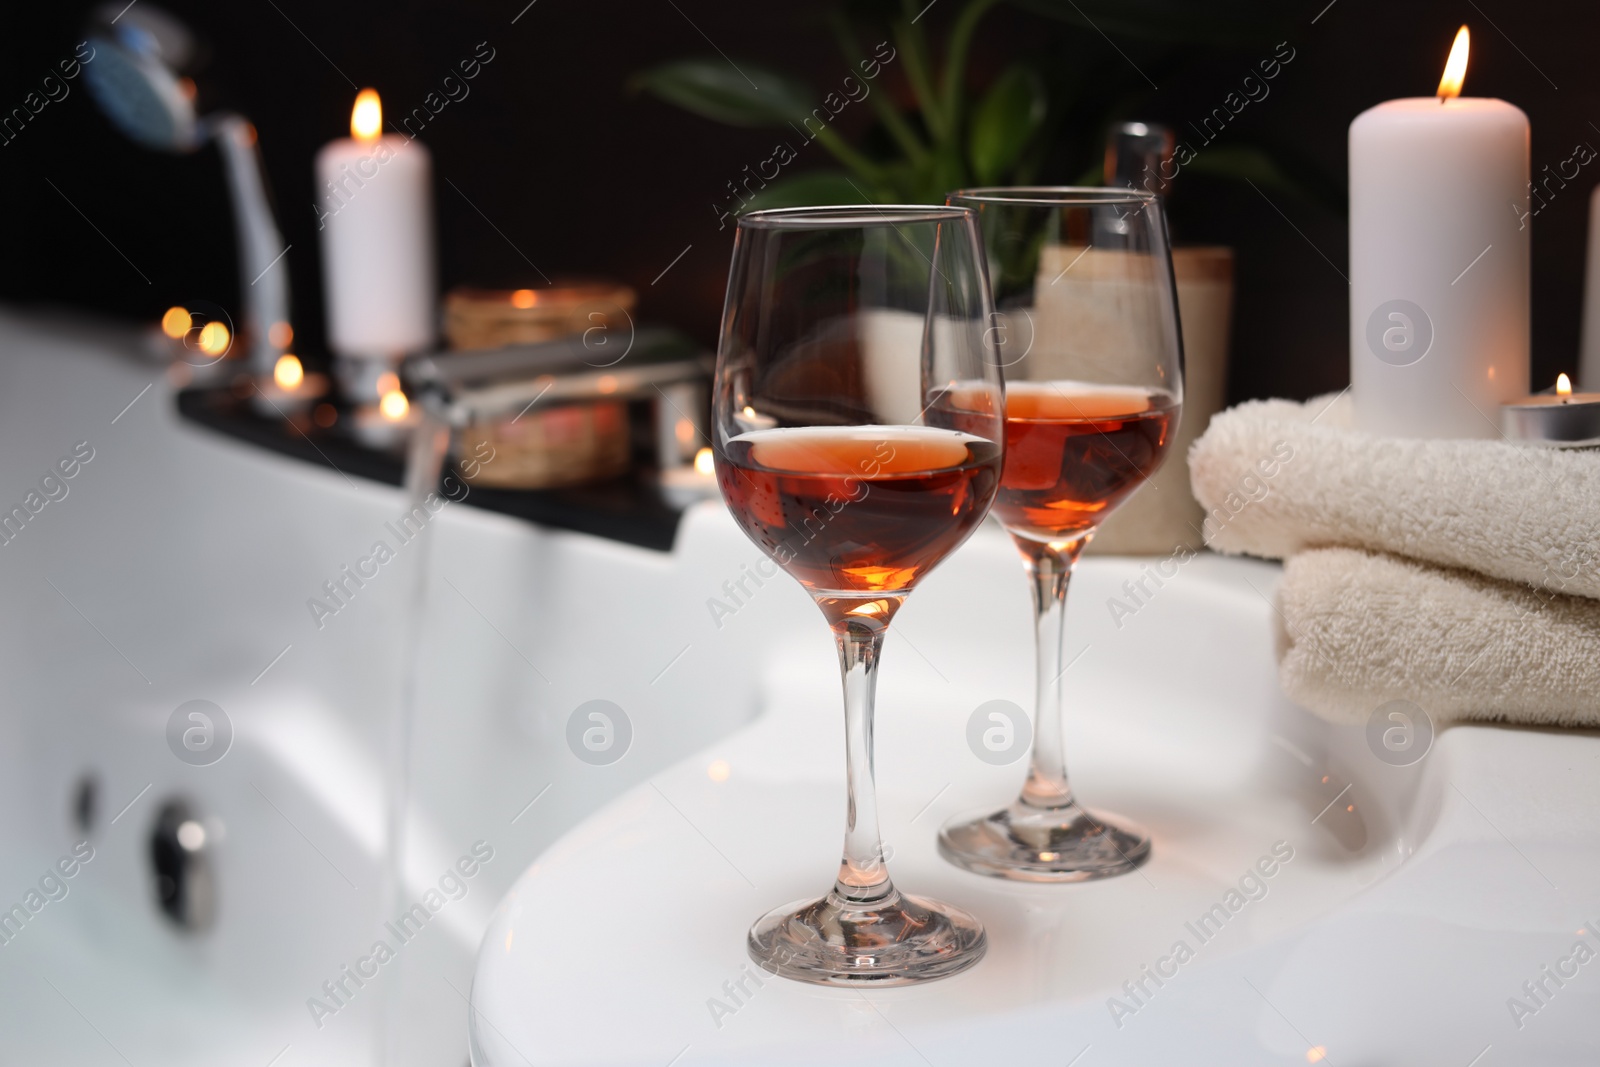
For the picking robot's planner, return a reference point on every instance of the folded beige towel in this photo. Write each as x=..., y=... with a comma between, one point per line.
x=1359, y=629
x=1277, y=477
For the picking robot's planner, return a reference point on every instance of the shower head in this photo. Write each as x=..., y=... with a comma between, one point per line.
x=135, y=78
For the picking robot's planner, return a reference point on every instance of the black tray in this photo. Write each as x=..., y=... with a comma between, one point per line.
x=630, y=509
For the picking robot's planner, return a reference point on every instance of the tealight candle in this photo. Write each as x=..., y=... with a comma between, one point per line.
x=1559, y=417
x=1439, y=321
x=388, y=422
x=290, y=389
x=692, y=482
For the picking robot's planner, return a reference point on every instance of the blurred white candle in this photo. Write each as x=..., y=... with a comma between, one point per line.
x=1589, y=363
x=376, y=218
x=1438, y=261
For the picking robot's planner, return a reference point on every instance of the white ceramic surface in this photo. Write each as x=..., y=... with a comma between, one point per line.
x=181, y=563
x=1417, y=901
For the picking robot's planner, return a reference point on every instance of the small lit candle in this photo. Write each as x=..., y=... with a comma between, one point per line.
x=394, y=406
x=290, y=389
x=1438, y=261
x=692, y=482
x=376, y=218
x=288, y=373
x=388, y=422
x=1557, y=417
x=176, y=322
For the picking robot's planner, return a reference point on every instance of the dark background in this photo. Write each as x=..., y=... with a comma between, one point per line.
x=555, y=164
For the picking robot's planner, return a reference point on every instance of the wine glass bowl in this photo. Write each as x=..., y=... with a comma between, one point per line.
x=857, y=431
x=1073, y=453
x=878, y=506
x=1087, y=308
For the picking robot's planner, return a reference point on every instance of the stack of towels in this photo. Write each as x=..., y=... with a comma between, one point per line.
x=1463, y=576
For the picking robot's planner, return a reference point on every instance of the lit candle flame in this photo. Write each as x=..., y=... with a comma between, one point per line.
x=176, y=322
x=366, y=118
x=288, y=372
x=1455, y=68
x=1563, y=385
x=394, y=405
x=214, y=339
x=704, y=462
x=524, y=298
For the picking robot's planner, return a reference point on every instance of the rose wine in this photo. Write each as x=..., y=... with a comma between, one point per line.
x=858, y=509
x=1075, y=451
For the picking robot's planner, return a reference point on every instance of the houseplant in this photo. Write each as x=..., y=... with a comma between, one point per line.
x=1041, y=118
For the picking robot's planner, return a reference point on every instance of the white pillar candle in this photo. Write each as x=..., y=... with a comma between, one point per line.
x=1438, y=261
x=377, y=238
x=1589, y=363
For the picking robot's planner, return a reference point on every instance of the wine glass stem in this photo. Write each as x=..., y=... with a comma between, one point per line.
x=1050, y=569
x=863, y=877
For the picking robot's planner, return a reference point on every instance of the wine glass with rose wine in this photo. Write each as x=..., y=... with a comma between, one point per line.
x=1085, y=299
x=858, y=413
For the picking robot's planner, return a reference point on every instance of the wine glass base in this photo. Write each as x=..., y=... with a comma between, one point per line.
x=1028, y=844
x=900, y=940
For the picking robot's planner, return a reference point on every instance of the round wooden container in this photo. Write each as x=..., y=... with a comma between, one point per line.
x=543, y=448
x=492, y=318
x=564, y=445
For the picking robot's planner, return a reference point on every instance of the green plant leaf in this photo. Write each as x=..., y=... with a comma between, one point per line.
x=813, y=188
x=949, y=171
x=1008, y=117
x=714, y=89
x=1188, y=21
x=1245, y=163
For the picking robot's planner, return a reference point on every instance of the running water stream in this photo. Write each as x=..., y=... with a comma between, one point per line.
x=425, y=456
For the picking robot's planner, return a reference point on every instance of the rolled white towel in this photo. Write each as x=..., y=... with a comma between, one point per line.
x=1277, y=477
x=1359, y=629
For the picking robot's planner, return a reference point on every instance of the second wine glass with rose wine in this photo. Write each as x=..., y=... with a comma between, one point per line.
x=1084, y=292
